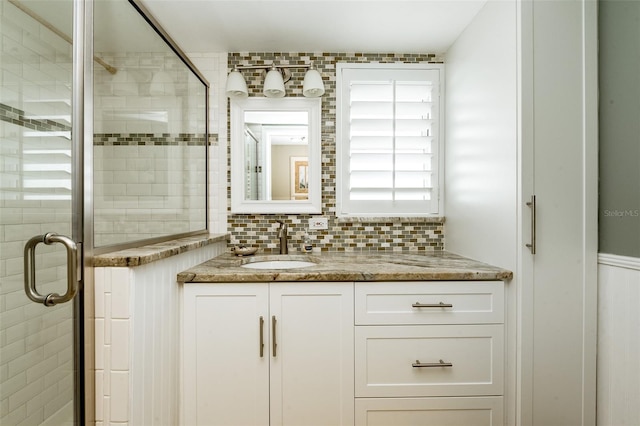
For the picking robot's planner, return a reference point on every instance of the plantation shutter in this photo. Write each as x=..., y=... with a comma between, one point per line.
x=390, y=131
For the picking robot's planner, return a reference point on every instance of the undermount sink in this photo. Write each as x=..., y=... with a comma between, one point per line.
x=278, y=264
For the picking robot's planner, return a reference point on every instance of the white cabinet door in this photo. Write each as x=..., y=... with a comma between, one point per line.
x=482, y=411
x=225, y=378
x=312, y=367
x=260, y=354
x=559, y=291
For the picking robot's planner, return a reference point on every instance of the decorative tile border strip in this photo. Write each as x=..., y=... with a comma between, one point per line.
x=148, y=139
x=18, y=117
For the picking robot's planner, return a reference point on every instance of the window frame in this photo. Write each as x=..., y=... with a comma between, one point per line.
x=342, y=142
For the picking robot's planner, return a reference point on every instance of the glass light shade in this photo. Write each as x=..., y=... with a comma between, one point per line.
x=313, y=86
x=236, y=85
x=162, y=84
x=273, y=84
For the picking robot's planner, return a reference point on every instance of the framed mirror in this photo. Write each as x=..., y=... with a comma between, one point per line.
x=275, y=155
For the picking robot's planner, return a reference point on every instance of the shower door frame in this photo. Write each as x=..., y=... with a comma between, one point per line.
x=83, y=209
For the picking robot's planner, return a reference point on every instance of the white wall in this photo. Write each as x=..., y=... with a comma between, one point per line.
x=481, y=138
x=481, y=155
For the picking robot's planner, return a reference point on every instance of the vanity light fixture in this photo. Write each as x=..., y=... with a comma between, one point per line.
x=275, y=78
x=236, y=85
x=274, y=84
x=313, y=87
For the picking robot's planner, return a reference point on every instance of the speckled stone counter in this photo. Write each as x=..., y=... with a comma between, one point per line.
x=150, y=253
x=340, y=266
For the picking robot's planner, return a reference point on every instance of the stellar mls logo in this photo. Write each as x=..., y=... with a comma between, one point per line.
x=622, y=213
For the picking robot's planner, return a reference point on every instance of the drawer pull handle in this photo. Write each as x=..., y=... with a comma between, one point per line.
x=261, y=337
x=432, y=305
x=441, y=363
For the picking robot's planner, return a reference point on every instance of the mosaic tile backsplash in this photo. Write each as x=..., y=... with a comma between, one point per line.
x=394, y=234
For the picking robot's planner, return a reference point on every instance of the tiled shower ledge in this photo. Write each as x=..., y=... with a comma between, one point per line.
x=146, y=254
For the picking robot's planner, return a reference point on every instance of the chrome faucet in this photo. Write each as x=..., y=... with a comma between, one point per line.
x=284, y=238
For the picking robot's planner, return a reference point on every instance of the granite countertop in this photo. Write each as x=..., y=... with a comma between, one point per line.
x=347, y=266
x=150, y=253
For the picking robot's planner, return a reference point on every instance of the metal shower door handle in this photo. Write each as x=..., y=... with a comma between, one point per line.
x=30, y=269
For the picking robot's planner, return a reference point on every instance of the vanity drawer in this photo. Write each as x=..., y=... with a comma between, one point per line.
x=429, y=302
x=464, y=411
x=404, y=361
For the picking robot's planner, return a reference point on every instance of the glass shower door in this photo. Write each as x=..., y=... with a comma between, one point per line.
x=40, y=223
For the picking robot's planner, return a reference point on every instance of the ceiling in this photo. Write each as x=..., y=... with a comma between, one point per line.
x=368, y=26
x=380, y=26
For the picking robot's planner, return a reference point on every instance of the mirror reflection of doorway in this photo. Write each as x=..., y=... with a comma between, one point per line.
x=271, y=140
x=299, y=175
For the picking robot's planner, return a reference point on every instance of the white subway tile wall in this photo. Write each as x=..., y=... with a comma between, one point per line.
x=149, y=165
x=137, y=340
x=139, y=190
x=35, y=341
x=214, y=68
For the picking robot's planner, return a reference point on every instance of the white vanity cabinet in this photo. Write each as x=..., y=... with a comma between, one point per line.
x=268, y=354
x=429, y=353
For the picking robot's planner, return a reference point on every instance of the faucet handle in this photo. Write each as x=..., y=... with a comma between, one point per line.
x=283, y=229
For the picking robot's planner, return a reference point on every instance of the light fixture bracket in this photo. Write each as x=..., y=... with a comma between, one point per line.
x=286, y=74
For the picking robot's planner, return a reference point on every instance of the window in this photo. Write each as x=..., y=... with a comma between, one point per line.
x=389, y=139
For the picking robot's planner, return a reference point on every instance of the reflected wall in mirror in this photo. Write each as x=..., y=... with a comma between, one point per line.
x=275, y=155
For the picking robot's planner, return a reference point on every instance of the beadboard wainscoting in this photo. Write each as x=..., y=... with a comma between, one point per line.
x=618, y=340
x=137, y=339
